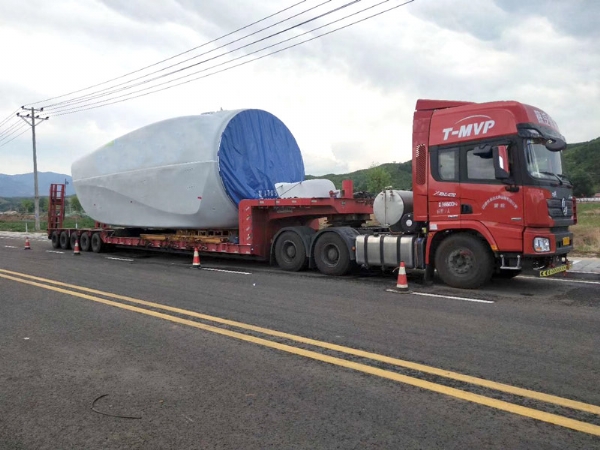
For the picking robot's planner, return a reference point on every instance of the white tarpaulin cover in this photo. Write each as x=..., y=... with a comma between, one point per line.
x=188, y=172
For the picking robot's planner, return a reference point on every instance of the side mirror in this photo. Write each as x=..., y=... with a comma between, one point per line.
x=501, y=169
x=556, y=145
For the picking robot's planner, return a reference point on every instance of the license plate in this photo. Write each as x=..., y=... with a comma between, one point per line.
x=554, y=270
x=566, y=241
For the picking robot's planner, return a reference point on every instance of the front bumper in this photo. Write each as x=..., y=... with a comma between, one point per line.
x=561, y=241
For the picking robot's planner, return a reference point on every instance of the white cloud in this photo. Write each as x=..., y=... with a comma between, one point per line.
x=348, y=97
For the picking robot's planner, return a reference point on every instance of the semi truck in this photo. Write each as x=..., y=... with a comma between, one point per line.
x=489, y=198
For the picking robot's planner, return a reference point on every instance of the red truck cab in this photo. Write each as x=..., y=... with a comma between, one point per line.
x=489, y=189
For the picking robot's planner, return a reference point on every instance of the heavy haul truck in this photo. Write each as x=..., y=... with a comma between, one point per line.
x=489, y=197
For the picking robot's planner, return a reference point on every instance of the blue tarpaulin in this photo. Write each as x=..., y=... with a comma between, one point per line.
x=257, y=150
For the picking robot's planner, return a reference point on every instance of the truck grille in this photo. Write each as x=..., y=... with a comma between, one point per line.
x=559, y=208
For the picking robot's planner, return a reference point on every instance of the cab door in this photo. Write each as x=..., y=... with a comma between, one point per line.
x=489, y=194
x=444, y=195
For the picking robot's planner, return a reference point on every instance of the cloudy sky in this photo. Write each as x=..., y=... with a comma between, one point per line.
x=347, y=97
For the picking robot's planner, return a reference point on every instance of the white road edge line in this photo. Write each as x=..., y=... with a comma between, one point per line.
x=119, y=259
x=563, y=280
x=54, y=251
x=9, y=246
x=476, y=300
x=227, y=271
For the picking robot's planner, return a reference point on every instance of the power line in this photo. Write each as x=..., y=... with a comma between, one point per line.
x=93, y=95
x=110, y=102
x=130, y=94
x=172, y=57
x=59, y=109
x=11, y=115
x=114, y=101
x=83, y=100
x=22, y=132
x=10, y=127
x=13, y=131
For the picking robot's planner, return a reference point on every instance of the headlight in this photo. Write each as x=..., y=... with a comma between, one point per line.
x=541, y=244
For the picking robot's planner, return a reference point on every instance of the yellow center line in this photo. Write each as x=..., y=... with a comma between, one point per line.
x=427, y=385
x=548, y=398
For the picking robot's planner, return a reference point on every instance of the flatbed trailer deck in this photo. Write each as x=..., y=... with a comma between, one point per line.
x=262, y=222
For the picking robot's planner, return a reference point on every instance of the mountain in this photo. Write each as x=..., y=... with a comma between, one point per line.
x=400, y=176
x=22, y=185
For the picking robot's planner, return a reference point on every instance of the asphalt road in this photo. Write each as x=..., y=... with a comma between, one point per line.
x=140, y=351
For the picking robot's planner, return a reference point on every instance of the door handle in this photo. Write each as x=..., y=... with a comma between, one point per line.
x=466, y=209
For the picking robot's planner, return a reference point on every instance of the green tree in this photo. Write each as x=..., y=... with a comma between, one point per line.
x=583, y=157
x=75, y=204
x=44, y=204
x=583, y=184
x=378, y=179
x=27, y=205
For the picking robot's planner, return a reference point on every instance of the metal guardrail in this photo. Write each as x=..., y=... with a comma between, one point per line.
x=589, y=200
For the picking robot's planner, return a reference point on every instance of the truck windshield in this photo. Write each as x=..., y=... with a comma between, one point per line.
x=541, y=162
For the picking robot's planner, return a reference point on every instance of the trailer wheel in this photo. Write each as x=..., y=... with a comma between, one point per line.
x=65, y=241
x=96, y=243
x=290, y=252
x=55, y=239
x=332, y=256
x=464, y=261
x=73, y=239
x=84, y=242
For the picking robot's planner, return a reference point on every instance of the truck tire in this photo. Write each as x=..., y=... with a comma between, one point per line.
x=55, y=239
x=97, y=243
x=290, y=252
x=332, y=256
x=464, y=261
x=65, y=240
x=73, y=239
x=85, y=242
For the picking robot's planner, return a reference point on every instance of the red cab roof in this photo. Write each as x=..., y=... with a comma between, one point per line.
x=428, y=105
x=455, y=121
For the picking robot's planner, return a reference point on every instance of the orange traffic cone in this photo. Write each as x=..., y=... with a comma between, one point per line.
x=76, y=251
x=27, y=246
x=196, y=261
x=402, y=283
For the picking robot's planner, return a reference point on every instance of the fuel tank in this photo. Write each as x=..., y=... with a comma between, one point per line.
x=390, y=206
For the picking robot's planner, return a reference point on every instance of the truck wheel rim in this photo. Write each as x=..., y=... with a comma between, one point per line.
x=461, y=261
x=331, y=255
x=289, y=250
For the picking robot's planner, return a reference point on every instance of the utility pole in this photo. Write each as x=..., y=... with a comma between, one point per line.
x=31, y=115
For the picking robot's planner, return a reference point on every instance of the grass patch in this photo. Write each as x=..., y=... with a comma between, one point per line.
x=18, y=223
x=14, y=226
x=587, y=231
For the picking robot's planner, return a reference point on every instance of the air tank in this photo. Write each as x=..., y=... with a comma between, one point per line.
x=391, y=207
x=188, y=172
